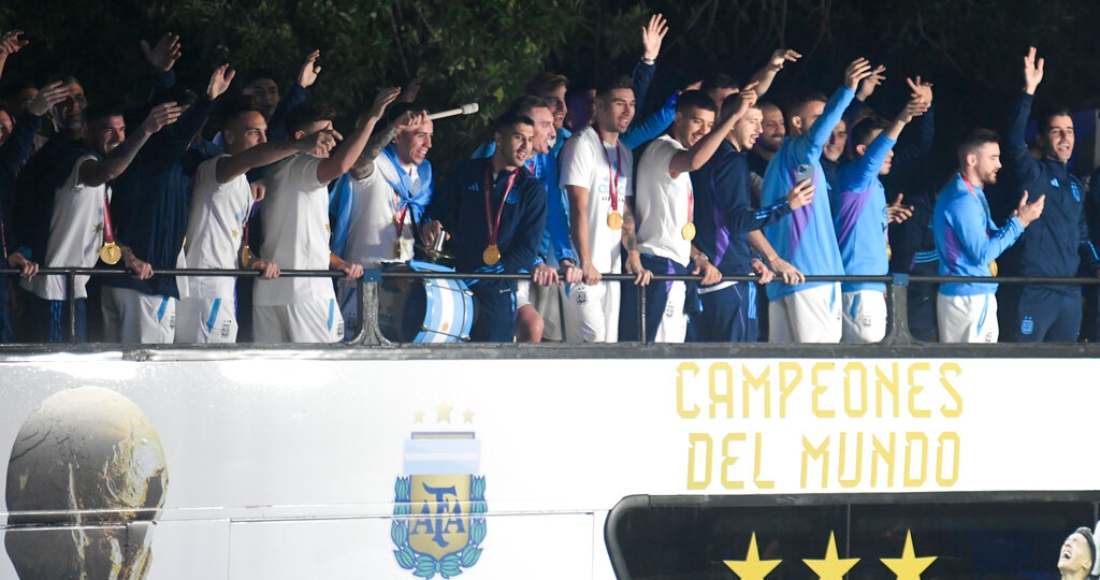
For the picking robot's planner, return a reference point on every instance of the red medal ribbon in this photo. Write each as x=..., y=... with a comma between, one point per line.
x=691, y=202
x=108, y=230
x=399, y=216
x=494, y=227
x=614, y=186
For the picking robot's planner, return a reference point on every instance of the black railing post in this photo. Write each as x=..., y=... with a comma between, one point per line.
x=898, y=308
x=640, y=291
x=370, y=334
x=70, y=304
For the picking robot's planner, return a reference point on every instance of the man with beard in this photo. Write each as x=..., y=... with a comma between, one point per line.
x=597, y=174
x=729, y=233
x=665, y=206
x=967, y=241
x=806, y=238
x=1059, y=242
x=534, y=303
x=496, y=212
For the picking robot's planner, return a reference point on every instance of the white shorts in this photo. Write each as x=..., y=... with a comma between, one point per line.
x=967, y=318
x=599, y=309
x=206, y=320
x=810, y=315
x=523, y=293
x=864, y=316
x=131, y=317
x=674, y=323
x=308, y=322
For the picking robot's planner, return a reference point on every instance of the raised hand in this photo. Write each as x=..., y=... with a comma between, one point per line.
x=383, y=100
x=920, y=89
x=11, y=42
x=914, y=108
x=858, y=70
x=781, y=57
x=746, y=98
x=897, y=213
x=1029, y=212
x=48, y=96
x=163, y=56
x=310, y=69
x=653, y=35
x=1033, y=71
x=320, y=142
x=867, y=85
x=410, y=121
x=161, y=116
x=219, y=81
x=411, y=90
x=801, y=194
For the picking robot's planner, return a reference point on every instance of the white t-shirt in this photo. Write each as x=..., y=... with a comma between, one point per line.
x=215, y=229
x=372, y=235
x=296, y=232
x=661, y=207
x=76, y=234
x=584, y=163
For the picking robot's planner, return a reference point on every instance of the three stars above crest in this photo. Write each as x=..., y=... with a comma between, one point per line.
x=832, y=567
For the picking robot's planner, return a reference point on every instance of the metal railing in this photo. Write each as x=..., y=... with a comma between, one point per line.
x=370, y=333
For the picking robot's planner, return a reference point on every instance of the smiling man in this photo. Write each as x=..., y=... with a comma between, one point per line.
x=665, y=205
x=1058, y=242
x=495, y=211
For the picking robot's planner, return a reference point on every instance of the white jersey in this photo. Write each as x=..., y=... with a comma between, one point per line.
x=215, y=229
x=76, y=234
x=663, y=203
x=372, y=234
x=586, y=161
x=296, y=232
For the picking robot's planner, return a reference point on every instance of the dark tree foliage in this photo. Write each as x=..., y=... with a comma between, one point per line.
x=484, y=51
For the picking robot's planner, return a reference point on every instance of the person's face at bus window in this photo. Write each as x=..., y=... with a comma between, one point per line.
x=1075, y=555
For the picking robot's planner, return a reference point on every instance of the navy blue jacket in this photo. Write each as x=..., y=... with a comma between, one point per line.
x=724, y=216
x=13, y=155
x=1055, y=244
x=460, y=206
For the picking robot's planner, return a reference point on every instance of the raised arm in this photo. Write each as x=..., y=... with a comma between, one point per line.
x=764, y=77
x=652, y=36
x=1024, y=165
x=264, y=154
x=10, y=43
x=344, y=156
x=694, y=158
x=813, y=142
x=364, y=165
x=14, y=151
x=96, y=173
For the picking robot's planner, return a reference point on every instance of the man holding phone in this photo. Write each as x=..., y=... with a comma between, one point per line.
x=806, y=238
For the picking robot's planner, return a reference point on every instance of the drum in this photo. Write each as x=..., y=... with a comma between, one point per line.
x=424, y=310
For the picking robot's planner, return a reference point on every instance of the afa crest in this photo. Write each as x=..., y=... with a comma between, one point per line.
x=439, y=504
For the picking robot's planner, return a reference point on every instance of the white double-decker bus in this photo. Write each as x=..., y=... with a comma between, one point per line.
x=897, y=460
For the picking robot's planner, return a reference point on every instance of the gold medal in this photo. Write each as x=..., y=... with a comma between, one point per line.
x=110, y=253
x=688, y=232
x=491, y=255
x=993, y=268
x=246, y=256
x=889, y=253
x=615, y=220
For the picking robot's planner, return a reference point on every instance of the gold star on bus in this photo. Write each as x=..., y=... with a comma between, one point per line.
x=908, y=566
x=443, y=412
x=832, y=567
x=752, y=567
x=418, y=417
x=468, y=416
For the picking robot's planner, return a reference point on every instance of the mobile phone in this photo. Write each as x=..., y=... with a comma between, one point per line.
x=804, y=172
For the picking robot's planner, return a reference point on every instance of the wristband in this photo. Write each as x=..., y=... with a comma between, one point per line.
x=649, y=61
x=772, y=261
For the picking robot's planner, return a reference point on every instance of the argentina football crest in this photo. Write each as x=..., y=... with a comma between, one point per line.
x=439, y=504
